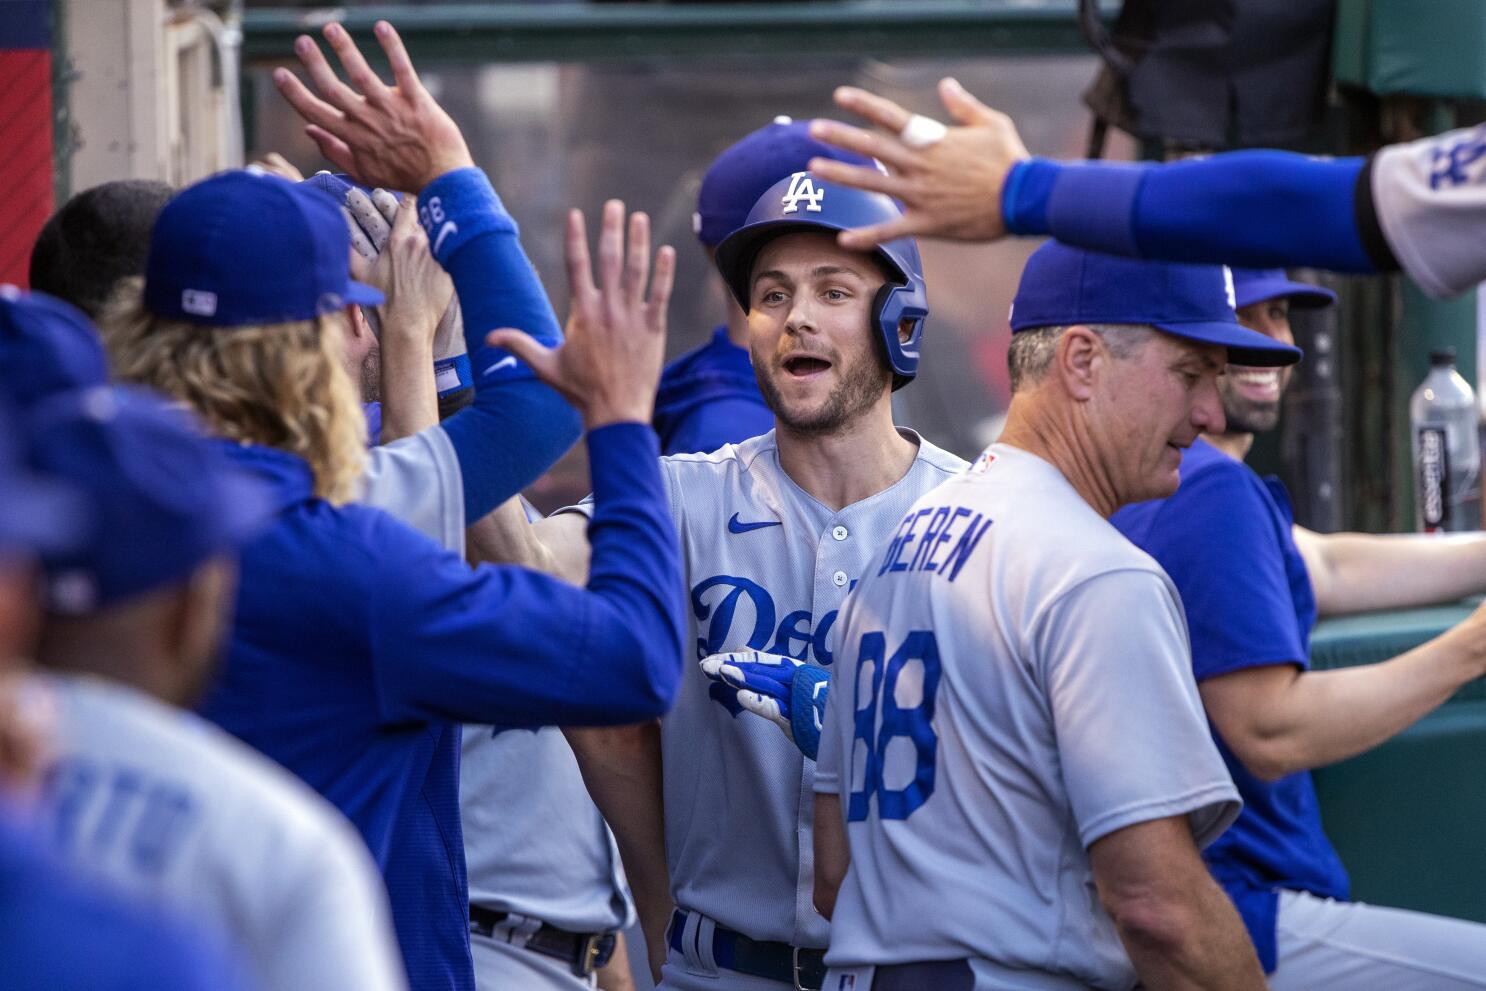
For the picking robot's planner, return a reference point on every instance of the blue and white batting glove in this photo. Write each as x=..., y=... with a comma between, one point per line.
x=789, y=693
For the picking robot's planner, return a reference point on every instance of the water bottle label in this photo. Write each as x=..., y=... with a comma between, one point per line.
x=1434, y=478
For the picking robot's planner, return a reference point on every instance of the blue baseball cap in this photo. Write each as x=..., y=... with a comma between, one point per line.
x=250, y=248
x=1255, y=285
x=739, y=176
x=163, y=498
x=1062, y=286
x=40, y=515
x=46, y=346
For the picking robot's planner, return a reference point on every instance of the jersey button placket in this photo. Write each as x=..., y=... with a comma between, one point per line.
x=840, y=578
x=840, y=532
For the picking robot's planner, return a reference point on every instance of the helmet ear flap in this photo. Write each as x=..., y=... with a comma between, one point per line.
x=894, y=305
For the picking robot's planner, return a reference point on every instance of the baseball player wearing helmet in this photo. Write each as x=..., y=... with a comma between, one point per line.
x=1253, y=583
x=1416, y=206
x=1014, y=748
x=774, y=531
x=151, y=799
x=709, y=396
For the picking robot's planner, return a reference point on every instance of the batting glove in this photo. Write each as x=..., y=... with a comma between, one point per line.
x=789, y=693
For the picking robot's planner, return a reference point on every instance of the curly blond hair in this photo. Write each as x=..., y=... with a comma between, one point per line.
x=279, y=385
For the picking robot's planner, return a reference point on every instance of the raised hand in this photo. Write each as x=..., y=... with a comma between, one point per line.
x=397, y=137
x=948, y=179
x=789, y=693
x=609, y=365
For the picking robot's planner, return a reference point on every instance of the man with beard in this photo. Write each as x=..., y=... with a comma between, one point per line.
x=1253, y=583
x=774, y=532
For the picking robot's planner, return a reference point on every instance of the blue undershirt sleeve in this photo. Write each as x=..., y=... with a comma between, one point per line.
x=1242, y=614
x=507, y=645
x=516, y=427
x=1252, y=208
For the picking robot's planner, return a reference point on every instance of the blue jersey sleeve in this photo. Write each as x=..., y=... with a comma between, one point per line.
x=1253, y=208
x=510, y=646
x=516, y=427
x=1217, y=538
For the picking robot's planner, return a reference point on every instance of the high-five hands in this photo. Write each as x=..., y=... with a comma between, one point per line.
x=397, y=137
x=789, y=693
x=609, y=365
x=948, y=179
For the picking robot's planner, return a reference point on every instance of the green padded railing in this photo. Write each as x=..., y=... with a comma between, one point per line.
x=1408, y=817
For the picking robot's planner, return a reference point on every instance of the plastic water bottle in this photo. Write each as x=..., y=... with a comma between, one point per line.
x=1447, y=453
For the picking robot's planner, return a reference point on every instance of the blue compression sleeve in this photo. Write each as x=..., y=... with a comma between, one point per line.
x=1253, y=208
x=516, y=428
x=507, y=645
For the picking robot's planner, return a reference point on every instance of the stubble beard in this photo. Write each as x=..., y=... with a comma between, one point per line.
x=859, y=387
x=1245, y=416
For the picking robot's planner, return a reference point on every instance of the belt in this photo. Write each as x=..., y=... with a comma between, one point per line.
x=938, y=975
x=802, y=968
x=584, y=953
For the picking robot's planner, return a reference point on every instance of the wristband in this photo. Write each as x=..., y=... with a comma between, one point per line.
x=459, y=206
x=452, y=374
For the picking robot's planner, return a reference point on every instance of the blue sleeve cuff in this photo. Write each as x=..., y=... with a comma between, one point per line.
x=1025, y=193
x=1092, y=204
x=459, y=206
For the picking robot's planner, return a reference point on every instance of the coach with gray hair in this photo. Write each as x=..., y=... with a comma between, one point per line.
x=1039, y=669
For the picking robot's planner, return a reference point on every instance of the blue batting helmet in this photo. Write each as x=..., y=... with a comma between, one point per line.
x=800, y=203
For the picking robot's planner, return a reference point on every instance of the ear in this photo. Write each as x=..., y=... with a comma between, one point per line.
x=197, y=618
x=1079, y=356
x=356, y=323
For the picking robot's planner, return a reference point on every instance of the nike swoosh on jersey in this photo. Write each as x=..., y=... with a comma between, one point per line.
x=505, y=362
x=736, y=527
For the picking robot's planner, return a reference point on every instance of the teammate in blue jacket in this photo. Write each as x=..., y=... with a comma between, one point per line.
x=708, y=396
x=1417, y=206
x=358, y=643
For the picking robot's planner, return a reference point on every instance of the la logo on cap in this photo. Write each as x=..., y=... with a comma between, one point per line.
x=1228, y=288
x=802, y=187
x=199, y=302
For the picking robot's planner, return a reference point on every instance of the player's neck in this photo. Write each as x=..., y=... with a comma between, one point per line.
x=1055, y=439
x=1236, y=446
x=848, y=465
x=115, y=646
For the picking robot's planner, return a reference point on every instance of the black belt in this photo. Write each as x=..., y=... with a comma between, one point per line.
x=938, y=975
x=584, y=953
x=802, y=968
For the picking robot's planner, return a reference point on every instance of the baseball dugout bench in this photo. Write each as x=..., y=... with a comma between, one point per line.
x=1409, y=818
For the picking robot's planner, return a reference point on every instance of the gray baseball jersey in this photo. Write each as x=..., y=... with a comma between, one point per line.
x=170, y=808
x=418, y=480
x=1430, y=198
x=1013, y=682
x=534, y=843
x=767, y=567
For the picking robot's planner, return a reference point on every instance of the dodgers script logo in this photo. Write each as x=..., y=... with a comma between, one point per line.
x=729, y=609
x=802, y=187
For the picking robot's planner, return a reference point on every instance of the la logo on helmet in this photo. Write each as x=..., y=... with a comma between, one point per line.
x=802, y=187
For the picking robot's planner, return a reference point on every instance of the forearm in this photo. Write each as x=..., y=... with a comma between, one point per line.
x=1321, y=717
x=506, y=536
x=1357, y=572
x=832, y=854
x=1212, y=952
x=615, y=975
x=622, y=769
x=1254, y=208
x=516, y=428
x=410, y=400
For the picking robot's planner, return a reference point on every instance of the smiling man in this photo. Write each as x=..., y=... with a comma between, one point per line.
x=1253, y=583
x=775, y=531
